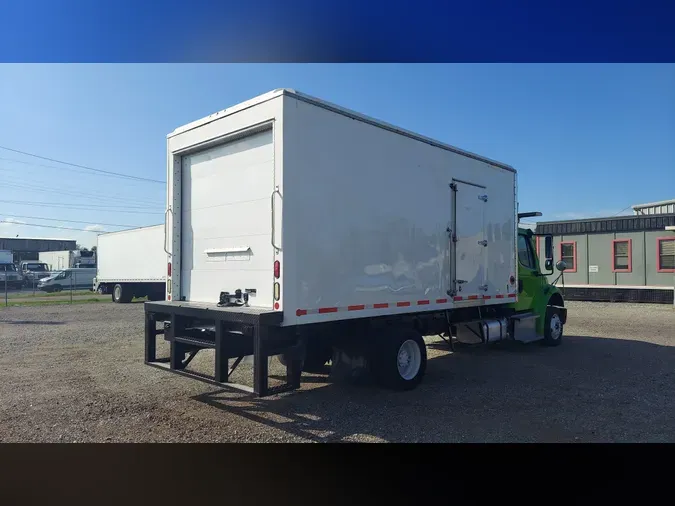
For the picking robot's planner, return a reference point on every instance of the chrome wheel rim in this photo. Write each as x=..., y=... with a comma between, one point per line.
x=556, y=327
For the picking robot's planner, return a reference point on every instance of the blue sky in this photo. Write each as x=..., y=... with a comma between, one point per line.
x=587, y=140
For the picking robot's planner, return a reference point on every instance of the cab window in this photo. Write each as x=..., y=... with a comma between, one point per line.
x=525, y=253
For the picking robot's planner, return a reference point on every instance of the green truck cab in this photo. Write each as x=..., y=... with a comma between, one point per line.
x=538, y=298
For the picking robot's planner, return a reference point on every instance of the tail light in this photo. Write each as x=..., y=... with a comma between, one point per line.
x=168, y=269
x=277, y=269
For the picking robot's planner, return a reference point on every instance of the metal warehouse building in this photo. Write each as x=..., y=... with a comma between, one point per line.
x=28, y=248
x=622, y=258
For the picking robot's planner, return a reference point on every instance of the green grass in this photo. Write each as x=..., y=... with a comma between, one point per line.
x=55, y=302
x=41, y=294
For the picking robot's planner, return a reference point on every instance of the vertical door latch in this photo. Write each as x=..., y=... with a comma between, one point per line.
x=483, y=243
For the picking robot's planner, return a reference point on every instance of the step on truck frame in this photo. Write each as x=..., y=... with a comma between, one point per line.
x=233, y=332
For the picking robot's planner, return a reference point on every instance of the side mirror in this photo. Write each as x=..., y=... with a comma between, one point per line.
x=561, y=265
x=548, y=248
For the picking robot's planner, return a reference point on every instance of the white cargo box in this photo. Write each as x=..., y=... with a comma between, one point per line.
x=365, y=219
x=131, y=256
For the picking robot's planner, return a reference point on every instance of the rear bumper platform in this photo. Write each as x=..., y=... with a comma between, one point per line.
x=233, y=332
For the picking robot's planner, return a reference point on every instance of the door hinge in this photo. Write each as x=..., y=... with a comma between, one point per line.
x=483, y=287
x=482, y=197
x=453, y=186
x=483, y=243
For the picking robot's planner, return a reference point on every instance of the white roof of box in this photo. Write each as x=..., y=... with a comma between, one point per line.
x=335, y=108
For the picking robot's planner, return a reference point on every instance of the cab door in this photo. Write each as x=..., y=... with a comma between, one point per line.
x=529, y=280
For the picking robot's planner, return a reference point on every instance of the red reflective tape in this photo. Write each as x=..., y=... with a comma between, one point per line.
x=457, y=298
x=301, y=312
x=356, y=308
x=327, y=310
x=499, y=296
x=512, y=295
x=422, y=302
x=380, y=306
x=472, y=297
x=403, y=304
x=487, y=296
x=441, y=301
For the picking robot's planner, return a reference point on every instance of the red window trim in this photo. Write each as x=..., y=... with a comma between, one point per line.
x=574, y=243
x=630, y=255
x=659, y=240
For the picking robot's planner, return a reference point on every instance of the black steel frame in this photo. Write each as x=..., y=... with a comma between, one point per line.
x=234, y=333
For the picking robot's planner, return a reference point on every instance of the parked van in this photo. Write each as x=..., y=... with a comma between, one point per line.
x=79, y=278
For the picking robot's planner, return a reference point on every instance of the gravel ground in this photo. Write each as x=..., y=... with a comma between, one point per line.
x=75, y=373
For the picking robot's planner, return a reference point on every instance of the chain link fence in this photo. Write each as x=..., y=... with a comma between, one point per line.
x=64, y=284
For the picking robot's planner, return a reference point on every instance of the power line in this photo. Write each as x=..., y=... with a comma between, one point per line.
x=91, y=207
x=50, y=226
x=23, y=180
x=100, y=171
x=624, y=209
x=53, y=167
x=12, y=184
x=67, y=221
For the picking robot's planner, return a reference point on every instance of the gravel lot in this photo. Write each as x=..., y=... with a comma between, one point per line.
x=76, y=373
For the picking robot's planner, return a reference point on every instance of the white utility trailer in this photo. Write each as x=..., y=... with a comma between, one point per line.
x=67, y=259
x=131, y=263
x=298, y=228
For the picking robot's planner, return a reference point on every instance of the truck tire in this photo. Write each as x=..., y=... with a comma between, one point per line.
x=122, y=294
x=400, y=359
x=56, y=288
x=553, y=328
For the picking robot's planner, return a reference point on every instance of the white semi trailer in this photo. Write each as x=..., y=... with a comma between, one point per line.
x=298, y=228
x=131, y=263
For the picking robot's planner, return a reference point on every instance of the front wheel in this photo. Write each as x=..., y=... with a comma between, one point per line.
x=56, y=288
x=553, y=327
x=400, y=359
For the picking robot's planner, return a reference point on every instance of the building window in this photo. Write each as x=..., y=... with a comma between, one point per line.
x=665, y=254
x=622, y=255
x=568, y=254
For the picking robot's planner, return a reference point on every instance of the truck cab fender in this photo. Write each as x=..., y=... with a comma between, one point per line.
x=556, y=300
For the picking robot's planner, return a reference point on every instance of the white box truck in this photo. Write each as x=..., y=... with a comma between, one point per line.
x=67, y=259
x=301, y=229
x=131, y=263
